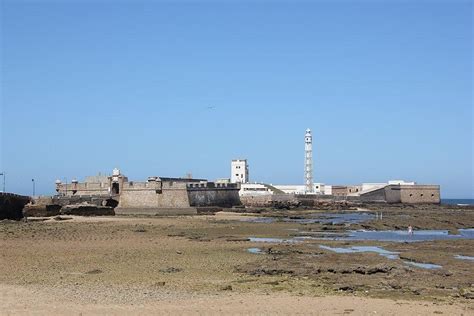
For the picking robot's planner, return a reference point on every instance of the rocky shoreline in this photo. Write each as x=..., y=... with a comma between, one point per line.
x=208, y=255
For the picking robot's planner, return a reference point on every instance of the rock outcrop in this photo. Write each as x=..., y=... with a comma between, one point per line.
x=86, y=209
x=11, y=206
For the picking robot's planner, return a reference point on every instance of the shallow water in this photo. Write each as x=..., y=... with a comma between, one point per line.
x=467, y=232
x=267, y=220
x=357, y=249
x=272, y=240
x=255, y=250
x=423, y=265
x=323, y=218
x=333, y=218
x=403, y=236
x=464, y=257
x=383, y=235
x=384, y=253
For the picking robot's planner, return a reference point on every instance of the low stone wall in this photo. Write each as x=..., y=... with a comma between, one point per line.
x=11, y=205
x=271, y=200
x=99, y=200
x=83, y=205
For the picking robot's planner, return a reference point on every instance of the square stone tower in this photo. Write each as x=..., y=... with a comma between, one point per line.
x=239, y=171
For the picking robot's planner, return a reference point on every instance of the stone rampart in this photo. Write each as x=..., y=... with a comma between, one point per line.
x=420, y=194
x=379, y=196
x=83, y=188
x=391, y=194
x=213, y=194
x=164, y=195
x=409, y=194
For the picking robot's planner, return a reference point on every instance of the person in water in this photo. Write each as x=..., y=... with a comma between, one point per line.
x=410, y=230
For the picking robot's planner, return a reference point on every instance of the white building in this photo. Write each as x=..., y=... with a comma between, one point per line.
x=254, y=189
x=239, y=171
x=318, y=188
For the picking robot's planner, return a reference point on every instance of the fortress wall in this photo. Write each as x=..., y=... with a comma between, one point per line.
x=138, y=199
x=410, y=194
x=205, y=194
x=83, y=188
x=374, y=196
x=420, y=194
x=153, y=195
x=136, y=185
x=392, y=194
x=174, y=198
x=214, y=197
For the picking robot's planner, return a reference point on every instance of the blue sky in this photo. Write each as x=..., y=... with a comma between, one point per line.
x=87, y=86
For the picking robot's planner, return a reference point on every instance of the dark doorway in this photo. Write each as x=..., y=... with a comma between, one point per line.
x=115, y=188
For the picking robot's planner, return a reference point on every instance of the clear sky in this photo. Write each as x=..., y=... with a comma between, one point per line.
x=167, y=88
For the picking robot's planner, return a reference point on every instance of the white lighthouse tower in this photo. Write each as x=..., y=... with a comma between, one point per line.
x=308, y=163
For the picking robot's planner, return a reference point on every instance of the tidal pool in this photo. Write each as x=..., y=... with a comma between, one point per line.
x=464, y=257
x=255, y=250
x=384, y=253
x=323, y=218
x=383, y=235
x=423, y=265
x=272, y=240
x=356, y=249
x=404, y=236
